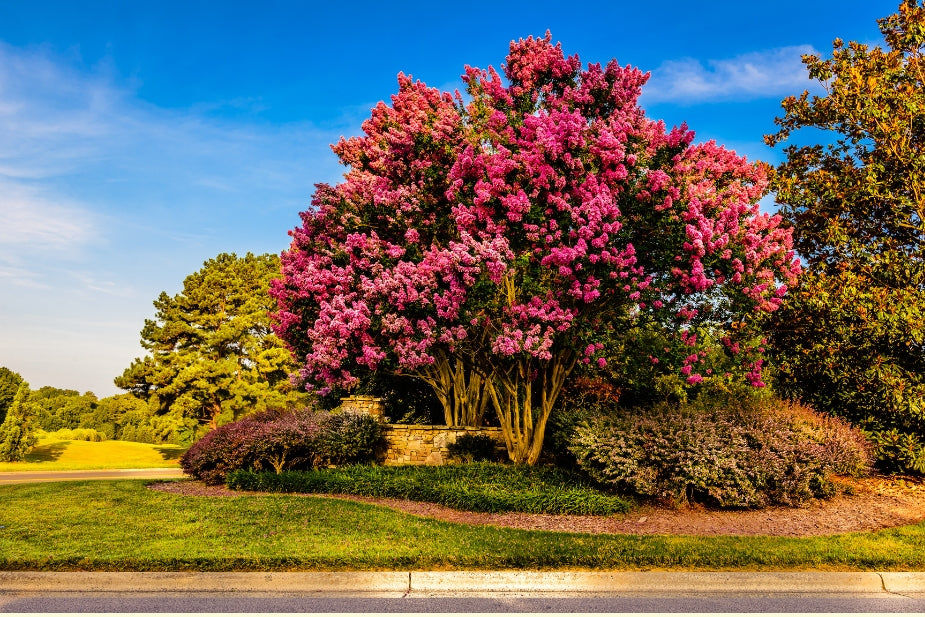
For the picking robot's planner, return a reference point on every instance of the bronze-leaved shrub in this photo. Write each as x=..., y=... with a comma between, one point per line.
x=733, y=453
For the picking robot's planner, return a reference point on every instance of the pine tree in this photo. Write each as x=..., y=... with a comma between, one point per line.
x=9, y=385
x=213, y=357
x=16, y=433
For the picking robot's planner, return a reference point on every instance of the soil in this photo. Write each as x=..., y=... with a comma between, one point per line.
x=870, y=504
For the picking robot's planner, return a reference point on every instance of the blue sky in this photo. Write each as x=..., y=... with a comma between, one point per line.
x=138, y=139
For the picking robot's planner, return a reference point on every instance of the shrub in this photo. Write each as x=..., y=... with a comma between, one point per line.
x=898, y=452
x=475, y=487
x=77, y=434
x=282, y=440
x=470, y=448
x=347, y=438
x=728, y=453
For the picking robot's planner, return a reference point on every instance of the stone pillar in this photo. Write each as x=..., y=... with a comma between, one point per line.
x=364, y=404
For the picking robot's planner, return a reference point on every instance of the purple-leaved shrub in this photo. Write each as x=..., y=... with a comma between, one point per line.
x=741, y=453
x=280, y=441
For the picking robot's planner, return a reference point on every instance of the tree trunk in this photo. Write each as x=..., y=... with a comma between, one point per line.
x=216, y=410
x=523, y=396
x=461, y=390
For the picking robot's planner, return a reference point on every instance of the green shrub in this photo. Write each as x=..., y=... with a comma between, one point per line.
x=347, y=438
x=728, y=453
x=77, y=434
x=475, y=487
x=898, y=452
x=471, y=448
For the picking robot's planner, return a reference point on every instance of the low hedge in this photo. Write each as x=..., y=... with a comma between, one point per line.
x=742, y=453
x=474, y=487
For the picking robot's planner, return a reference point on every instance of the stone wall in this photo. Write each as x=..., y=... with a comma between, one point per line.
x=415, y=444
x=420, y=444
x=364, y=404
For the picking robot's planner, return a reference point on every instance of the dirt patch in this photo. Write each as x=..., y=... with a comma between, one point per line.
x=877, y=503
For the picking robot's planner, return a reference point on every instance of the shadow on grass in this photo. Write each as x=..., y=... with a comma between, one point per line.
x=47, y=453
x=170, y=453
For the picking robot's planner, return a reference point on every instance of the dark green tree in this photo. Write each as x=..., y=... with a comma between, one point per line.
x=9, y=385
x=851, y=339
x=17, y=435
x=213, y=357
x=53, y=408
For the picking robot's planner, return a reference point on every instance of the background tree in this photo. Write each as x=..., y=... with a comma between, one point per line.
x=53, y=408
x=17, y=434
x=851, y=340
x=213, y=356
x=9, y=385
x=489, y=247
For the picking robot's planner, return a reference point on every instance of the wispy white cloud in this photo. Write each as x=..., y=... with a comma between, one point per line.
x=106, y=199
x=20, y=277
x=34, y=223
x=765, y=74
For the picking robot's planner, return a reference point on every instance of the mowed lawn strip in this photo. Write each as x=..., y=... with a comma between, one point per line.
x=52, y=454
x=122, y=525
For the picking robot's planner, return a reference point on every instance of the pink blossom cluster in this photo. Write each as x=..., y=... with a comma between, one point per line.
x=506, y=226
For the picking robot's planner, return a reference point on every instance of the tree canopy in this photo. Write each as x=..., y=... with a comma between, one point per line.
x=489, y=245
x=9, y=384
x=851, y=340
x=17, y=434
x=213, y=356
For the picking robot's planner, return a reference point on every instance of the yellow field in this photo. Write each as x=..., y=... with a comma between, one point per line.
x=54, y=454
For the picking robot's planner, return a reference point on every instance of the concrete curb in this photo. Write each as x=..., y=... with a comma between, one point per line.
x=435, y=584
x=647, y=582
x=345, y=583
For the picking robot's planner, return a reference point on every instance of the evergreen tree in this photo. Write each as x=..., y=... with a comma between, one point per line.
x=9, y=385
x=851, y=339
x=16, y=433
x=213, y=356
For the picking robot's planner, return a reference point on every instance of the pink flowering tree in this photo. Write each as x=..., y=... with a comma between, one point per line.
x=489, y=245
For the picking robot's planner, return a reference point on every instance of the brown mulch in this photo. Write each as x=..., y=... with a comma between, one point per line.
x=877, y=503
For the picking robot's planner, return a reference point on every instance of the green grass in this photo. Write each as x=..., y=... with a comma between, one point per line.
x=52, y=454
x=121, y=525
x=476, y=487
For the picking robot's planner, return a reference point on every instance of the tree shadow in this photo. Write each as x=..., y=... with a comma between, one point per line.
x=47, y=453
x=170, y=454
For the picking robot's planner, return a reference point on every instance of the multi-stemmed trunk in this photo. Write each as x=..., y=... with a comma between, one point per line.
x=461, y=389
x=522, y=391
x=523, y=394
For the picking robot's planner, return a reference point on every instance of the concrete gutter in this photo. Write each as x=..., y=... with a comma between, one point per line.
x=449, y=584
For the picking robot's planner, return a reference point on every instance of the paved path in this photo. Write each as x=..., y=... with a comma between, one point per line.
x=21, y=477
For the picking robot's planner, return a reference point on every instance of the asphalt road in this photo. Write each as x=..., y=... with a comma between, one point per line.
x=22, y=477
x=236, y=603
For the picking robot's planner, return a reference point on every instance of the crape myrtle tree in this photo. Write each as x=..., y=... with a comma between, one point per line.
x=488, y=245
x=851, y=339
x=213, y=356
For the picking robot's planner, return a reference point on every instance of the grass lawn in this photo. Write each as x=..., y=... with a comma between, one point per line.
x=121, y=525
x=52, y=454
